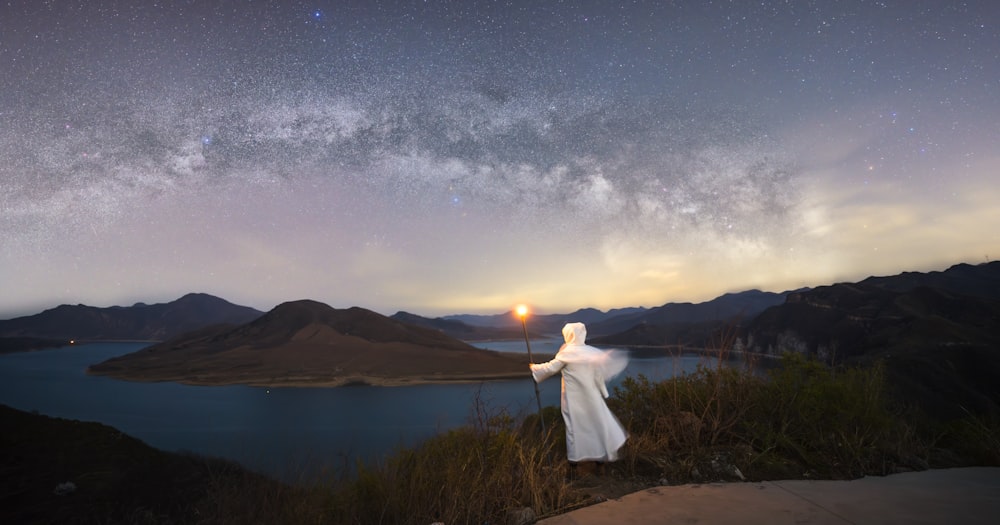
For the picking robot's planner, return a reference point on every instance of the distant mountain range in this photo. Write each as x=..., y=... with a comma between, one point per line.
x=937, y=334
x=826, y=320
x=459, y=329
x=543, y=324
x=684, y=324
x=194, y=311
x=309, y=343
x=938, y=328
x=148, y=322
x=623, y=326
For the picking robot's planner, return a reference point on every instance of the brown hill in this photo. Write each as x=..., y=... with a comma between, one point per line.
x=306, y=343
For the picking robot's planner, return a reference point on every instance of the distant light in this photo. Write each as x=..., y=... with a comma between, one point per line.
x=522, y=310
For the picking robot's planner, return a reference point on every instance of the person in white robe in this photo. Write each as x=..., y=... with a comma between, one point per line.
x=593, y=433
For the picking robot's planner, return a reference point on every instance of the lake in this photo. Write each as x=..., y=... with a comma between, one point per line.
x=284, y=432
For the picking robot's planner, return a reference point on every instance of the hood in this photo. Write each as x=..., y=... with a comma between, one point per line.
x=575, y=333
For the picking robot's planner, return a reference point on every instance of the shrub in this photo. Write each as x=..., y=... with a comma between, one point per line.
x=834, y=421
x=802, y=419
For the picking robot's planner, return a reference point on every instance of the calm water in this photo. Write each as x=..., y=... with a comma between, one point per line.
x=281, y=431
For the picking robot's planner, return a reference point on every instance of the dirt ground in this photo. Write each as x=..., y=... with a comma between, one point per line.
x=602, y=483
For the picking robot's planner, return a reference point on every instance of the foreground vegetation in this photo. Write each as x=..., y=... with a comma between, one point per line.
x=802, y=419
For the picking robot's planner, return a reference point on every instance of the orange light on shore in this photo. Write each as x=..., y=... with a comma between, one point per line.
x=522, y=310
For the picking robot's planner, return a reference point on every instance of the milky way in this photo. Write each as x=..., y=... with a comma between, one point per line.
x=443, y=157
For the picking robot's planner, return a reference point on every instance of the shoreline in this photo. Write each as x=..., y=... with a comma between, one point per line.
x=343, y=381
x=392, y=382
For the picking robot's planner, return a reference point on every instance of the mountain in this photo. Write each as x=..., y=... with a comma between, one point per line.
x=309, y=343
x=845, y=320
x=938, y=334
x=544, y=324
x=979, y=280
x=137, y=322
x=684, y=324
x=667, y=337
x=671, y=324
x=459, y=329
x=725, y=307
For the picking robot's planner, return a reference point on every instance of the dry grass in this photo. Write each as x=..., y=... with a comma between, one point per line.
x=475, y=474
x=802, y=419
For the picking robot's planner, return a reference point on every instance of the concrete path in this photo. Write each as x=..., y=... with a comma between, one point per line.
x=964, y=495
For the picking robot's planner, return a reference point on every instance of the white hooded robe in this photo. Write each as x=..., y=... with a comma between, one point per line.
x=593, y=433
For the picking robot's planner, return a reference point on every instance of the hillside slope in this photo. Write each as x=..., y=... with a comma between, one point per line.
x=938, y=333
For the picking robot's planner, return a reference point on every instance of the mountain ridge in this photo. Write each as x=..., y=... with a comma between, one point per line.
x=937, y=334
x=672, y=323
x=137, y=322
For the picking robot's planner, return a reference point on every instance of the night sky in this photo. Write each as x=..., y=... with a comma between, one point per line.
x=461, y=157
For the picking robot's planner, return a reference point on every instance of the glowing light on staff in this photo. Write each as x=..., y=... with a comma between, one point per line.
x=522, y=311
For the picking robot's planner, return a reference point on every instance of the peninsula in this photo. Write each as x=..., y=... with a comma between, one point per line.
x=307, y=343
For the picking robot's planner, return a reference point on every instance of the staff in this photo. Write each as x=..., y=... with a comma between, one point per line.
x=522, y=312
